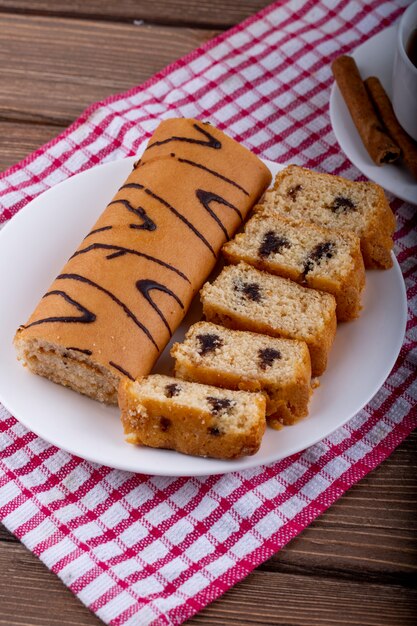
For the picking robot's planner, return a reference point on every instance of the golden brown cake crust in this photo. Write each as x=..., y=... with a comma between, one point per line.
x=335, y=202
x=164, y=412
x=128, y=286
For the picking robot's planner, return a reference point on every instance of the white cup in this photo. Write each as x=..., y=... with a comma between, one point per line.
x=404, y=78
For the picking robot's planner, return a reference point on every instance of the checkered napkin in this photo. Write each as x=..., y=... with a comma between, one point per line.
x=142, y=550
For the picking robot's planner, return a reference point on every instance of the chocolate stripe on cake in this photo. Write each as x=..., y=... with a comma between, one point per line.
x=115, y=255
x=147, y=223
x=86, y=317
x=206, y=197
x=98, y=230
x=121, y=250
x=121, y=304
x=87, y=352
x=211, y=142
x=213, y=172
x=145, y=286
x=200, y=166
x=173, y=210
x=120, y=369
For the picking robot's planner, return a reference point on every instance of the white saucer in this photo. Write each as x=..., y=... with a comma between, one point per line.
x=36, y=243
x=375, y=57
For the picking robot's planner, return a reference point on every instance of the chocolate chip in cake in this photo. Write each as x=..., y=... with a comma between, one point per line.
x=213, y=430
x=219, y=405
x=172, y=390
x=164, y=423
x=293, y=192
x=323, y=250
x=252, y=291
x=342, y=205
x=389, y=157
x=272, y=244
x=209, y=342
x=267, y=356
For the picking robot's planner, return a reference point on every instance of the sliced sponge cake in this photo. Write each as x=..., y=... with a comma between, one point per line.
x=236, y=359
x=334, y=202
x=164, y=412
x=244, y=298
x=317, y=257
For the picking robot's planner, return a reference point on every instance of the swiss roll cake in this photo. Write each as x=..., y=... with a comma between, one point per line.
x=115, y=304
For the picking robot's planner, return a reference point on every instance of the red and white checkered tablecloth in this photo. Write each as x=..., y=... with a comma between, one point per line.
x=141, y=550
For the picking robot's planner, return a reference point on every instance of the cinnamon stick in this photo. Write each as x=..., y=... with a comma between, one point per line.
x=386, y=113
x=379, y=145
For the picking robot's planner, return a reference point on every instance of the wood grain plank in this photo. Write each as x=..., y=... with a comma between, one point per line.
x=389, y=557
x=17, y=140
x=264, y=598
x=32, y=595
x=206, y=13
x=51, y=69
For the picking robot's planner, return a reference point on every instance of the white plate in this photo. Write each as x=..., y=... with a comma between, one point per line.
x=375, y=57
x=35, y=245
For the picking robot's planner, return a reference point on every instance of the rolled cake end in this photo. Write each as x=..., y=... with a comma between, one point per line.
x=68, y=367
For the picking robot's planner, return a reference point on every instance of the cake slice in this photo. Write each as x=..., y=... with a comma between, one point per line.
x=320, y=258
x=244, y=298
x=334, y=202
x=163, y=412
x=236, y=359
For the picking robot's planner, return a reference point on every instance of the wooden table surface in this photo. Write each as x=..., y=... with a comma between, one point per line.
x=357, y=563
